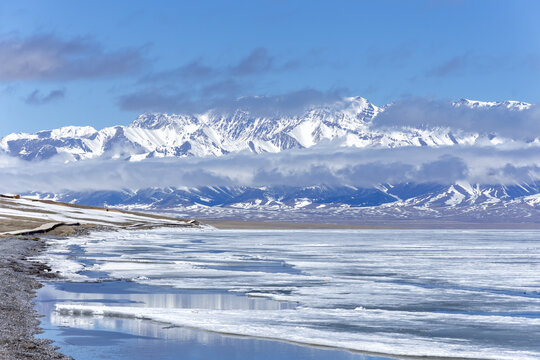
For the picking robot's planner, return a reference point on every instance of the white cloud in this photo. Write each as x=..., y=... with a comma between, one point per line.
x=47, y=57
x=319, y=165
x=425, y=114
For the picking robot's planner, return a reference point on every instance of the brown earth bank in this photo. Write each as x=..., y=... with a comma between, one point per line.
x=30, y=214
x=285, y=225
x=338, y=223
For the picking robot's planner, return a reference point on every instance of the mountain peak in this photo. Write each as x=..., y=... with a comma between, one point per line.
x=152, y=121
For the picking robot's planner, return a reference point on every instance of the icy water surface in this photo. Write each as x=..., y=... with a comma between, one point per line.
x=120, y=338
x=431, y=293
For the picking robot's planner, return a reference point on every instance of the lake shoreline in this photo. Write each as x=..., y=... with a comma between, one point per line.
x=380, y=225
x=19, y=280
x=24, y=223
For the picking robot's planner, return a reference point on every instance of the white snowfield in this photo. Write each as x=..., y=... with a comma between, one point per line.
x=48, y=215
x=346, y=122
x=455, y=294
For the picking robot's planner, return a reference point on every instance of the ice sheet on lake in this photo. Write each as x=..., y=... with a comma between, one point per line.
x=432, y=293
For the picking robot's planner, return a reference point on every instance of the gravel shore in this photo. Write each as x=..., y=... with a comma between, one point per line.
x=18, y=282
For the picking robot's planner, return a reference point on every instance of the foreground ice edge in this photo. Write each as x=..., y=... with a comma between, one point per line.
x=276, y=325
x=254, y=323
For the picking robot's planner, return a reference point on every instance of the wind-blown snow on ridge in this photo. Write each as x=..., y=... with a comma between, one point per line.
x=214, y=133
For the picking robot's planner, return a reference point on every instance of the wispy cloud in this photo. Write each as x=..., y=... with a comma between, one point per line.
x=223, y=97
x=423, y=113
x=453, y=66
x=258, y=61
x=48, y=57
x=198, y=86
x=36, y=97
x=472, y=62
x=315, y=166
x=390, y=57
x=230, y=87
x=532, y=61
x=191, y=72
x=288, y=104
x=156, y=99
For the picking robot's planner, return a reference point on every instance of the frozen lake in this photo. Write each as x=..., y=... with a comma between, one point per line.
x=436, y=293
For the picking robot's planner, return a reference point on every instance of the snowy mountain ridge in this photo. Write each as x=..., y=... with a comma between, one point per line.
x=508, y=104
x=346, y=122
x=462, y=202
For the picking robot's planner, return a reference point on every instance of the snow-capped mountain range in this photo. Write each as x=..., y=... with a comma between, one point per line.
x=346, y=122
x=386, y=205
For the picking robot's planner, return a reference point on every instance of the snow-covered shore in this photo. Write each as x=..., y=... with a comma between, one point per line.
x=20, y=221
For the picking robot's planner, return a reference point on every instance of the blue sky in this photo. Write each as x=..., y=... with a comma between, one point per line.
x=101, y=63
